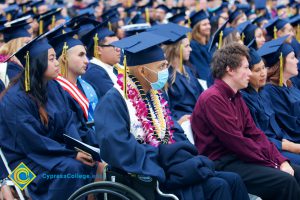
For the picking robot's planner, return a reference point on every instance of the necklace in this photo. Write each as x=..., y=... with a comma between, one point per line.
x=156, y=121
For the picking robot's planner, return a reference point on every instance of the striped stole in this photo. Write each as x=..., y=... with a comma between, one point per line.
x=75, y=92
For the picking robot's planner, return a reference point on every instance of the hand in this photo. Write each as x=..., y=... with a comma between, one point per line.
x=290, y=146
x=85, y=159
x=286, y=167
x=184, y=118
x=6, y=192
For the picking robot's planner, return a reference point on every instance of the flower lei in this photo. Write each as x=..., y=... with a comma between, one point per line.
x=151, y=127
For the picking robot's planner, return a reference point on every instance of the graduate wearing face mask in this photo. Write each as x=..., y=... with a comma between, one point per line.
x=137, y=134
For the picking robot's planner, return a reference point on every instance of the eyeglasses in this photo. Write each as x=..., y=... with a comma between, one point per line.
x=164, y=65
x=109, y=45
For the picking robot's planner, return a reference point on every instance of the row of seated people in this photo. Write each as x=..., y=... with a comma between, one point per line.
x=45, y=118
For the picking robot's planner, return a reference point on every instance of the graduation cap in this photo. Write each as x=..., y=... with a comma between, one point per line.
x=86, y=11
x=177, y=18
x=49, y=18
x=92, y=38
x=218, y=37
x=260, y=4
x=60, y=29
x=280, y=6
x=173, y=32
x=177, y=10
x=247, y=31
x=130, y=9
x=29, y=13
x=61, y=44
x=36, y=4
x=258, y=20
x=163, y=7
x=275, y=25
x=140, y=51
x=84, y=25
x=254, y=58
x=274, y=51
x=197, y=17
x=217, y=12
x=137, y=19
x=11, y=11
x=295, y=20
x=243, y=7
x=14, y=31
x=24, y=6
x=35, y=48
x=134, y=29
x=233, y=15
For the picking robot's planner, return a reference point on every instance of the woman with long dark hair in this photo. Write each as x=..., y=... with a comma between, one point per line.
x=33, y=120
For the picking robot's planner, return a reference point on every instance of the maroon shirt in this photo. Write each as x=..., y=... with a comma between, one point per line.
x=222, y=125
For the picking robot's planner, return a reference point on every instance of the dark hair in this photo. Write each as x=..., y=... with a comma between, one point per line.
x=38, y=91
x=230, y=55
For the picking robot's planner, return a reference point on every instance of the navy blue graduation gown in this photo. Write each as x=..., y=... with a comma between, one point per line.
x=120, y=149
x=98, y=78
x=200, y=58
x=183, y=93
x=286, y=104
x=87, y=134
x=2, y=86
x=261, y=110
x=296, y=46
x=25, y=139
x=13, y=70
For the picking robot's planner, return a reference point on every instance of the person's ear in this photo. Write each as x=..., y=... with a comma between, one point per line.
x=229, y=70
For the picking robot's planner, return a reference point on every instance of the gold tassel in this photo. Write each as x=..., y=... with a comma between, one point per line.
x=34, y=9
x=41, y=25
x=27, y=75
x=109, y=26
x=24, y=9
x=9, y=17
x=125, y=77
x=181, y=59
x=243, y=37
x=281, y=70
x=64, y=69
x=275, y=32
x=197, y=5
x=147, y=15
x=220, y=40
x=189, y=25
x=96, y=55
x=298, y=33
x=53, y=22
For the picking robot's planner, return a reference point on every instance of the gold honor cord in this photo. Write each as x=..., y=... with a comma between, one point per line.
x=27, y=75
x=281, y=70
x=95, y=38
x=275, y=32
x=147, y=15
x=64, y=68
x=220, y=40
x=125, y=77
x=181, y=59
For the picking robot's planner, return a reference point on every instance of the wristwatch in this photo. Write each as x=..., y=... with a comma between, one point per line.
x=3, y=182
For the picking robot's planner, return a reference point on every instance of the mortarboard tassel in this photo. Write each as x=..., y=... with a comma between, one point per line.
x=95, y=38
x=129, y=3
x=298, y=33
x=53, y=21
x=41, y=25
x=189, y=26
x=281, y=70
x=109, y=26
x=64, y=68
x=147, y=15
x=220, y=40
x=181, y=58
x=197, y=5
x=27, y=75
x=275, y=32
x=243, y=37
x=34, y=9
x=24, y=9
x=125, y=77
x=8, y=17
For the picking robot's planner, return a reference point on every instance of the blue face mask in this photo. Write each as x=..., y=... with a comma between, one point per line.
x=162, y=78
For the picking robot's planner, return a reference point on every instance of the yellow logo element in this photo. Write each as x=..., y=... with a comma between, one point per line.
x=22, y=176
